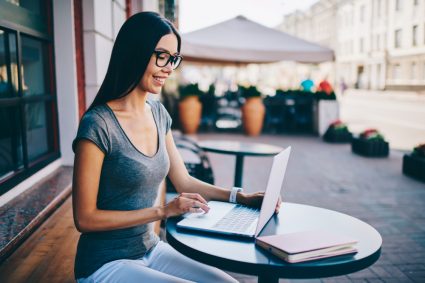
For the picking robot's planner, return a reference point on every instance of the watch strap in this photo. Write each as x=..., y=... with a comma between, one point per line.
x=233, y=194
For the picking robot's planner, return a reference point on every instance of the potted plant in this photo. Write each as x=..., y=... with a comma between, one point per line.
x=253, y=111
x=414, y=163
x=337, y=132
x=370, y=143
x=190, y=108
x=321, y=95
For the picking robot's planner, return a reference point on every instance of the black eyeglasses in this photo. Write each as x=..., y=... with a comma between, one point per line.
x=164, y=57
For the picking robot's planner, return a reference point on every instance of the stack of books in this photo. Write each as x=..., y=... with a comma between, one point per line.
x=307, y=245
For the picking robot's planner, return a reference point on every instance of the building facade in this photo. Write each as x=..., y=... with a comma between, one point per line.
x=379, y=44
x=53, y=58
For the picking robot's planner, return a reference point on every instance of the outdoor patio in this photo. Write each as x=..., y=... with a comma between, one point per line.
x=319, y=174
x=331, y=176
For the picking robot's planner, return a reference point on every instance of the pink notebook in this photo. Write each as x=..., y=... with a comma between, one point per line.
x=307, y=245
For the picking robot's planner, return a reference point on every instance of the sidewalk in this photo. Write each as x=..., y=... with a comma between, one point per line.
x=330, y=176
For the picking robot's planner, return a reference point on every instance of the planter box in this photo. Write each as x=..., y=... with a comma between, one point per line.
x=324, y=113
x=337, y=136
x=370, y=148
x=414, y=166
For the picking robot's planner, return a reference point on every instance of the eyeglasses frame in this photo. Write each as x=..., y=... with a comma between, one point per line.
x=171, y=59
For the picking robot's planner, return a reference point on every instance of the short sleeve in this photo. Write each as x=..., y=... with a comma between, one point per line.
x=167, y=118
x=93, y=128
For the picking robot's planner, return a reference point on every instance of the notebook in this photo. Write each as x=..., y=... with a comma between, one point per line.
x=234, y=219
x=307, y=245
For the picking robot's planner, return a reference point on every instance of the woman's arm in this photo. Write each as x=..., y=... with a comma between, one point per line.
x=88, y=218
x=183, y=182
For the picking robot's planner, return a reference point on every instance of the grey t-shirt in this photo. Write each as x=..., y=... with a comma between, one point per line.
x=129, y=180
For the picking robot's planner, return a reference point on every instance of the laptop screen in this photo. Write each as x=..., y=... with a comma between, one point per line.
x=274, y=185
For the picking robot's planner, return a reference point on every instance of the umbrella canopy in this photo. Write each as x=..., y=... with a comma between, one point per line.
x=240, y=40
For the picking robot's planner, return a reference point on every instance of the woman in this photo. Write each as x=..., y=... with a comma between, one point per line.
x=123, y=150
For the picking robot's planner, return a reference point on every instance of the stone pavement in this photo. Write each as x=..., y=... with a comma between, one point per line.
x=330, y=176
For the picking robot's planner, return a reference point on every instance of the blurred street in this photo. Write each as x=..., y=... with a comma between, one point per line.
x=399, y=116
x=331, y=176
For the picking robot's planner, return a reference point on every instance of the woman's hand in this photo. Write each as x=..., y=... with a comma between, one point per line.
x=185, y=202
x=255, y=200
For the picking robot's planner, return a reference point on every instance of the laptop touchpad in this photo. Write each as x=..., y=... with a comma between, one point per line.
x=217, y=210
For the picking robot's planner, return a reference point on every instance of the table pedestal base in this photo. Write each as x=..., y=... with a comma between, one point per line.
x=238, y=171
x=267, y=278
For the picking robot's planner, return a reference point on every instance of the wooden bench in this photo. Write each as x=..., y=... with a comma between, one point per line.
x=48, y=254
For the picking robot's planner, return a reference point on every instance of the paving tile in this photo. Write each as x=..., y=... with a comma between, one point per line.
x=412, y=267
x=337, y=279
x=418, y=277
x=363, y=274
x=305, y=281
x=381, y=271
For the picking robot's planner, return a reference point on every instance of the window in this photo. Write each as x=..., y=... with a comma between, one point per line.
x=10, y=139
x=28, y=133
x=414, y=71
x=397, y=38
x=35, y=6
x=397, y=5
x=378, y=42
x=361, y=45
x=415, y=2
x=168, y=9
x=396, y=71
x=415, y=35
x=362, y=14
x=423, y=71
x=378, y=76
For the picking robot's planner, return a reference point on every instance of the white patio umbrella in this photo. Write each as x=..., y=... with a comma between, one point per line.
x=240, y=40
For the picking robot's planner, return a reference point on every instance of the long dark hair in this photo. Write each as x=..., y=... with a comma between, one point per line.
x=131, y=53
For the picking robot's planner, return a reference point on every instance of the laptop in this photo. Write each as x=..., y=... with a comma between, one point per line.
x=235, y=219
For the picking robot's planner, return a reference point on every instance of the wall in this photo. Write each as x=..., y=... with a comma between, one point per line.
x=101, y=23
x=66, y=77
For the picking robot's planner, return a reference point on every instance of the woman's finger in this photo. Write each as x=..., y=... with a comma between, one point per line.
x=279, y=201
x=196, y=210
x=194, y=196
x=193, y=204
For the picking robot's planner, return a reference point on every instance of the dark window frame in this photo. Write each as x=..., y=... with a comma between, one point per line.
x=45, y=35
x=415, y=34
x=398, y=38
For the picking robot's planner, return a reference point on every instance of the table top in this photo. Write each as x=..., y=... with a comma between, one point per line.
x=238, y=147
x=242, y=255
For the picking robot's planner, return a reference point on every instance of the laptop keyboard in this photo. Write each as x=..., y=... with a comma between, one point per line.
x=238, y=219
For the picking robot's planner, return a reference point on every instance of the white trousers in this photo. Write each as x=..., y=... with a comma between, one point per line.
x=161, y=264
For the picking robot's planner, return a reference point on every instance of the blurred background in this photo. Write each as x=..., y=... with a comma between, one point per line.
x=271, y=71
x=368, y=55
